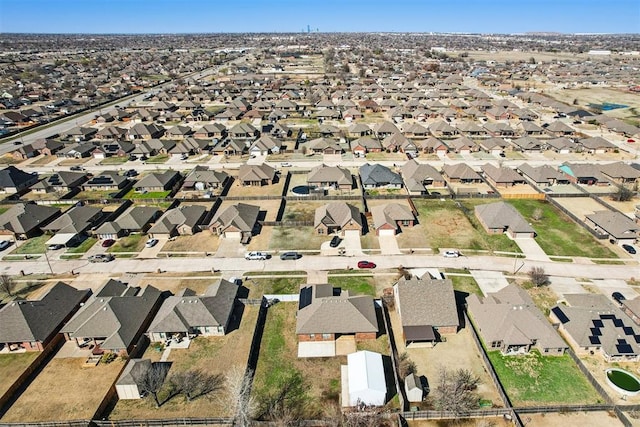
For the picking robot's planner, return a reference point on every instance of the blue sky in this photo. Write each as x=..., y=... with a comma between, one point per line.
x=210, y=16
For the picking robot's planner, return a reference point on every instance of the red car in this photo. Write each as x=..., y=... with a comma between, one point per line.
x=107, y=242
x=366, y=264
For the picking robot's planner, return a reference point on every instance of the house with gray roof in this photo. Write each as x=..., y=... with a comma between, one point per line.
x=25, y=220
x=106, y=181
x=584, y=174
x=596, y=144
x=631, y=308
x=509, y=321
x=14, y=180
x=327, y=315
x=501, y=217
x=427, y=310
x=528, y=144
x=30, y=325
x=562, y=145
x=461, y=173
x=621, y=173
x=187, y=315
x=60, y=182
x=239, y=221
x=337, y=217
x=201, y=178
x=417, y=177
x=620, y=228
x=591, y=323
x=324, y=146
x=379, y=176
x=181, y=220
x=114, y=318
x=158, y=181
x=73, y=225
x=136, y=219
x=365, y=144
x=543, y=176
x=257, y=175
x=501, y=176
x=336, y=177
x=391, y=218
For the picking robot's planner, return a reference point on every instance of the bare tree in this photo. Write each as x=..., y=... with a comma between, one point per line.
x=456, y=391
x=151, y=380
x=239, y=399
x=538, y=276
x=537, y=214
x=623, y=194
x=405, y=365
x=7, y=284
x=194, y=383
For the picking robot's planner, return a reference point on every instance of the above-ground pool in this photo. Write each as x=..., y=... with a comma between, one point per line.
x=301, y=190
x=623, y=382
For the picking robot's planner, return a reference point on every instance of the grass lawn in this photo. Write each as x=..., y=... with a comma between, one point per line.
x=276, y=285
x=160, y=158
x=115, y=160
x=299, y=238
x=557, y=234
x=12, y=366
x=84, y=246
x=537, y=380
x=448, y=226
x=317, y=380
x=466, y=284
x=64, y=390
x=132, y=194
x=95, y=194
x=213, y=355
x=543, y=297
x=130, y=243
x=356, y=285
x=35, y=245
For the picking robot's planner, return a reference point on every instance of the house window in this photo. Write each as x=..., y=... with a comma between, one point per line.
x=320, y=231
x=495, y=344
x=326, y=336
x=405, y=223
x=312, y=336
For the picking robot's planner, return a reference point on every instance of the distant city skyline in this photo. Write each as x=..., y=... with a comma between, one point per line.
x=254, y=16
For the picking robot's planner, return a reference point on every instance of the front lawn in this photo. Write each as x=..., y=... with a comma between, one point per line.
x=356, y=285
x=83, y=247
x=276, y=285
x=160, y=158
x=534, y=379
x=557, y=234
x=130, y=243
x=465, y=284
x=133, y=194
x=34, y=245
x=114, y=160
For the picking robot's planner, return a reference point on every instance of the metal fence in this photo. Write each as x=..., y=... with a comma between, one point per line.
x=596, y=234
x=213, y=422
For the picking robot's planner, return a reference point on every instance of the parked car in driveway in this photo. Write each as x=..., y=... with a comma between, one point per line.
x=335, y=241
x=151, y=243
x=366, y=264
x=107, y=243
x=290, y=255
x=101, y=258
x=451, y=254
x=4, y=244
x=629, y=249
x=55, y=246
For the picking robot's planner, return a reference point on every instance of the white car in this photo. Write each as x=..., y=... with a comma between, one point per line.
x=256, y=255
x=451, y=254
x=285, y=165
x=151, y=243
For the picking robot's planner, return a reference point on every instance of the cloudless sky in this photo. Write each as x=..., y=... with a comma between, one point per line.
x=213, y=16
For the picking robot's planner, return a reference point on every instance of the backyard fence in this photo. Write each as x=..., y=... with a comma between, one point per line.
x=212, y=422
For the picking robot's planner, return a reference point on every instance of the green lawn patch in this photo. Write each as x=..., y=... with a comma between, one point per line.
x=534, y=379
x=131, y=243
x=557, y=234
x=160, y=158
x=356, y=285
x=465, y=284
x=115, y=160
x=12, y=366
x=133, y=194
x=84, y=246
x=277, y=285
x=34, y=245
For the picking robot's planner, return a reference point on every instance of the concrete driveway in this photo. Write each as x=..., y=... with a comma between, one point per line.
x=230, y=248
x=609, y=286
x=153, y=251
x=388, y=245
x=489, y=281
x=351, y=243
x=531, y=249
x=565, y=285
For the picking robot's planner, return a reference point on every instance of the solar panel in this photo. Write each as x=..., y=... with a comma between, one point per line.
x=623, y=347
x=305, y=297
x=596, y=332
x=618, y=323
x=560, y=314
x=628, y=330
x=594, y=340
x=598, y=323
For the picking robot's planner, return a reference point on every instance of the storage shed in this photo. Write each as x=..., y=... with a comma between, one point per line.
x=127, y=387
x=413, y=388
x=363, y=380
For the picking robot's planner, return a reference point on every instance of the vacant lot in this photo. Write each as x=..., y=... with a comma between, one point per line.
x=239, y=190
x=448, y=226
x=203, y=241
x=598, y=95
x=64, y=390
x=214, y=355
x=557, y=234
x=299, y=238
x=12, y=366
x=533, y=379
x=286, y=282
x=581, y=206
x=177, y=283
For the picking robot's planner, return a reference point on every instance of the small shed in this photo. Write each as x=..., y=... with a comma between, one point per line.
x=365, y=380
x=126, y=386
x=413, y=388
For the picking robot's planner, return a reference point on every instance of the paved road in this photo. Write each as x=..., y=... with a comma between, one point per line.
x=320, y=263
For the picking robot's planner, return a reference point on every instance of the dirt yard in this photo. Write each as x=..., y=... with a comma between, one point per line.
x=271, y=207
x=12, y=366
x=580, y=206
x=203, y=241
x=626, y=208
x=64, y=390
x=214, y=355
x=582, y=419
x=239, y=190
x=176, y=284
x=459, y=352
x=517, y=189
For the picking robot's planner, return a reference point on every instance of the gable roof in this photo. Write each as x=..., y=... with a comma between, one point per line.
x=461, y=171
x=337, y=214
x=256, y=172
x=241, y=216
x=12, y=177
x=36, y=320
x=502, y=174
x=389, y=214
x=187, y=215
x=615, y=224
x=503, y=215
x=75, y=220
x=323, y=174
x=325, y=313
x=158, y=179
x=427, y=302
x=25, y=217
x=378, y=174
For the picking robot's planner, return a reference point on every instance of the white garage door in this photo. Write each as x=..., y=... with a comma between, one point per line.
x=233, y=235
x=387, y=233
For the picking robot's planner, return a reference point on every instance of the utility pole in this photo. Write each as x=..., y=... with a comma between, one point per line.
x=46, y=256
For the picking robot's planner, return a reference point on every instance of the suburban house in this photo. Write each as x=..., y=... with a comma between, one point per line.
x=363, y=377
x=114, y=318
x=365, y=144
x=329, y=321
x=543, y=176
x=265, y=145
x=461, y=173
x=239, y=221
x=592, y=323
x=619, y=227
x=418, y=176
x=337, y=217
x=584, y=174
x=30, y=325
x=257, y=175
x=14, y=180
x=501, y=217
x=501, y=176
x=391, y=218
x=324, y=146
x=61, y=182
x=562, y=145
x=157, y=182
x=631, y=307
x=379, y=176
x=187, y=315
x=621, y=173
x=495, y=146
x=201, y=178
x=427, y=310
x=136, y=219
x=25, y=220
x=596, y=145
x=528, y=144
x=181, y=220
x=106, y=181
x=73, y=225
x=509, y=321
x=323, y=176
